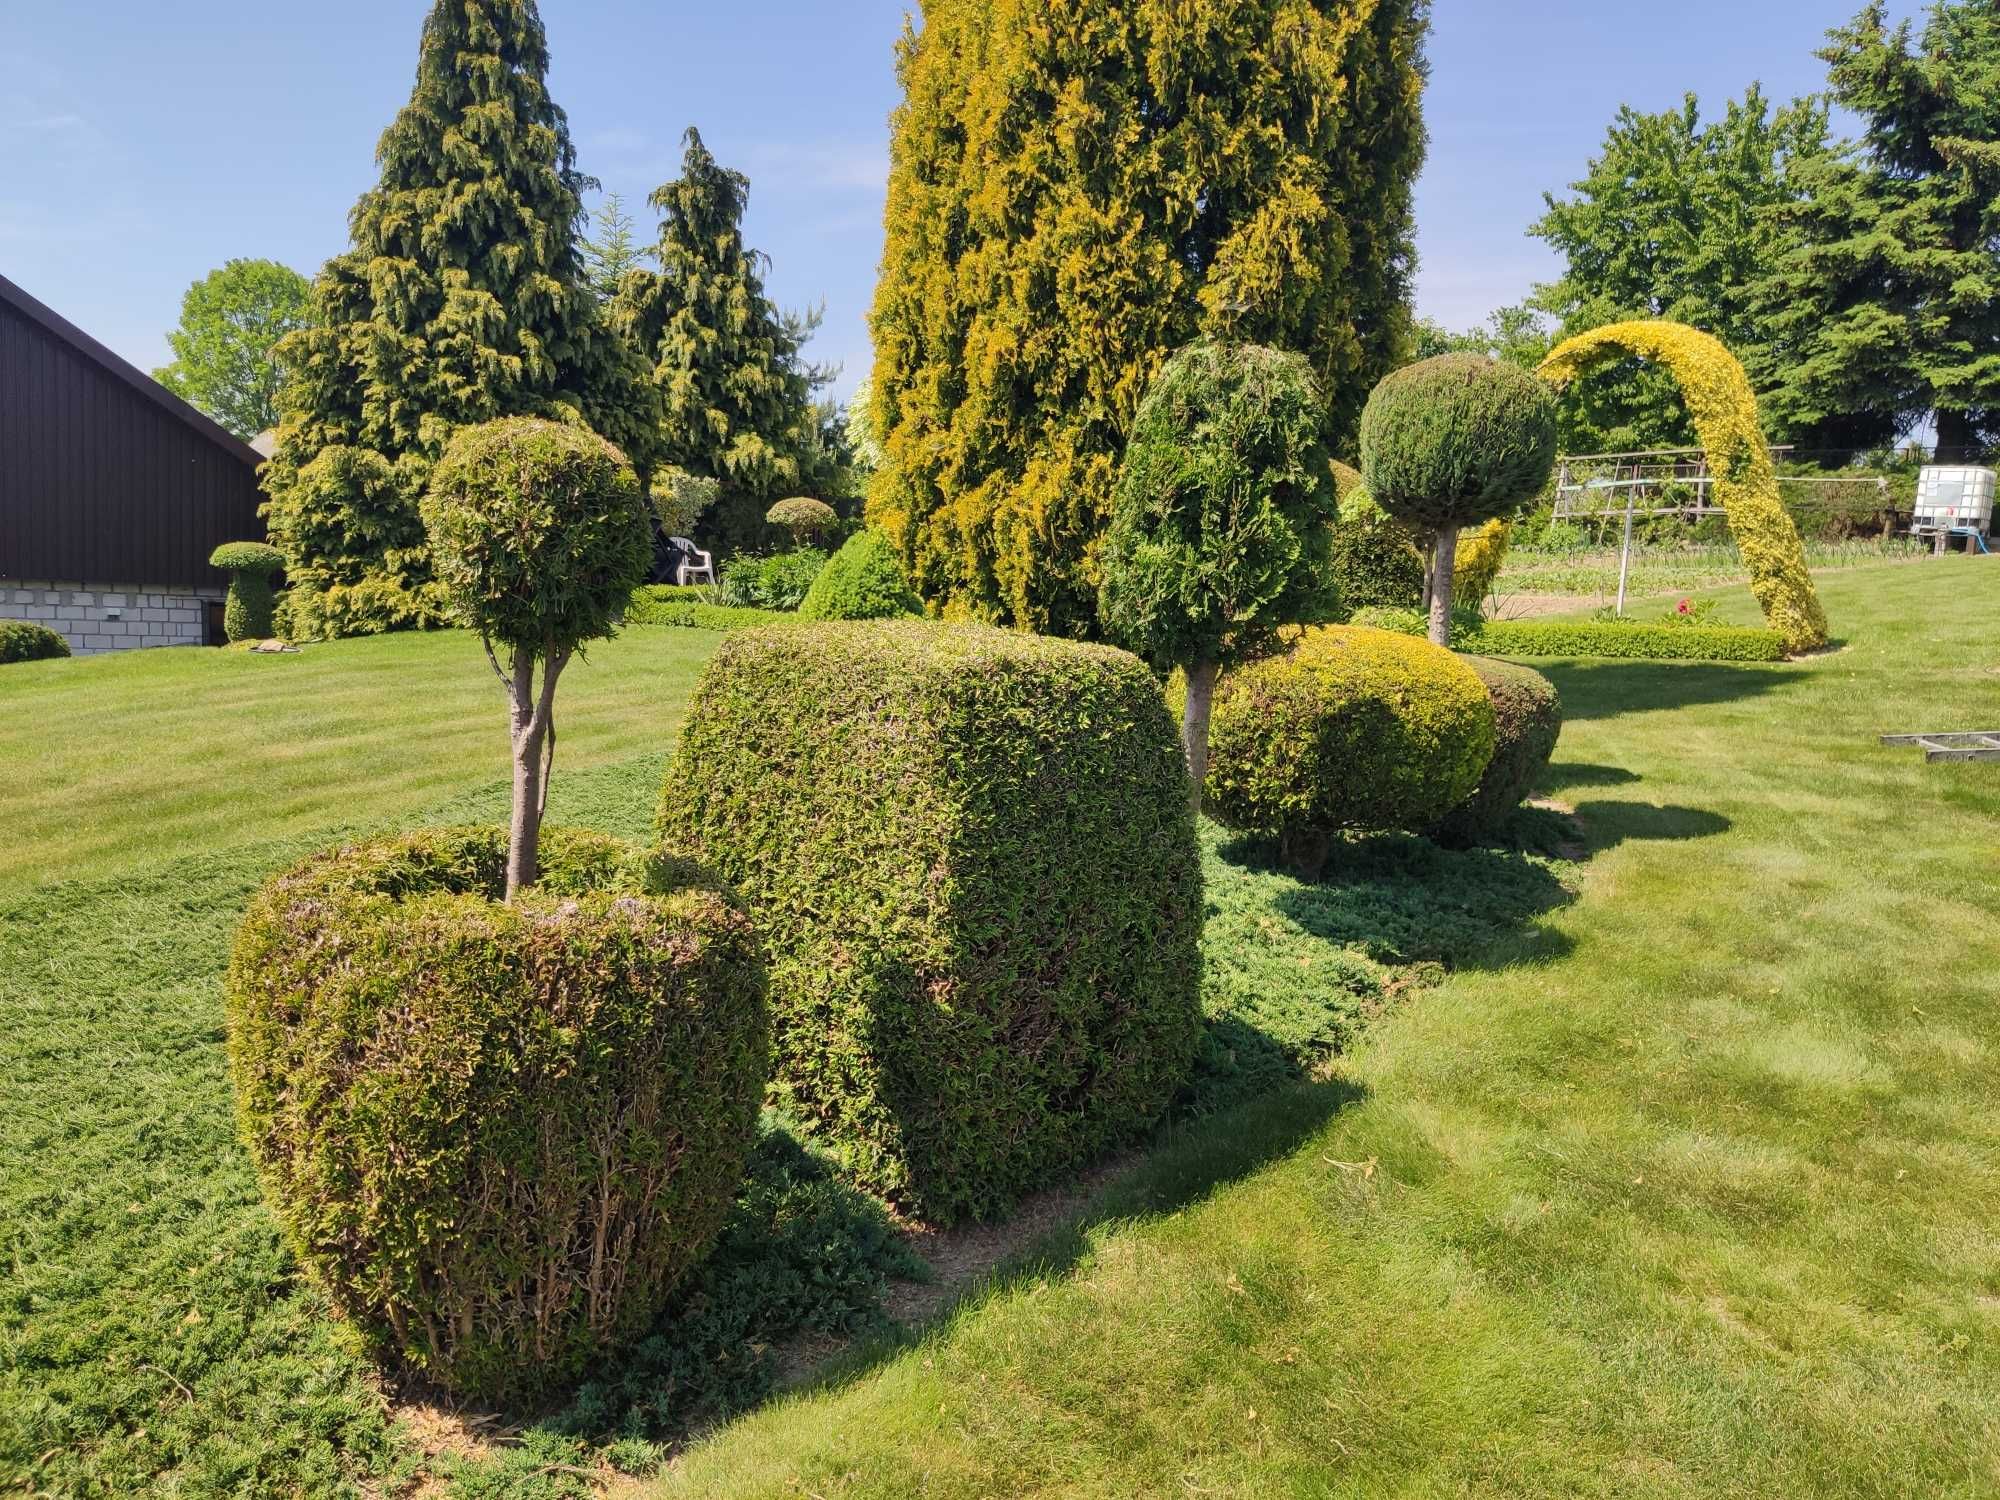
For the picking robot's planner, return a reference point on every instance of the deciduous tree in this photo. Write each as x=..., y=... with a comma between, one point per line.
x=231, y=322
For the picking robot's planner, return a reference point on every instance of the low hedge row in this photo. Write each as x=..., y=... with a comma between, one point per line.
x=671, y=604
x=23, y=640
x=499, y=1134
x=971, y=855
x=1632, y=642
x=1592, y=638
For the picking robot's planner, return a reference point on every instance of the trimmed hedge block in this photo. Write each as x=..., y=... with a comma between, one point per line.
x=1527, y=721
x=23, y=640
x=971, y=856
x=498, y=1134
x=1634, y=642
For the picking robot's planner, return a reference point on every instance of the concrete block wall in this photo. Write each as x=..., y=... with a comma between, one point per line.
x=110, y=617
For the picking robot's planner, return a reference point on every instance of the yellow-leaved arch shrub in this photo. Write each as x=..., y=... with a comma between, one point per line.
x=1724, y=409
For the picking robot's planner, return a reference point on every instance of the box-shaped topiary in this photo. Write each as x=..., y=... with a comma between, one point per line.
x=497, y=1133
x=971, y=855
x=1527, y=721
x=1353, y=729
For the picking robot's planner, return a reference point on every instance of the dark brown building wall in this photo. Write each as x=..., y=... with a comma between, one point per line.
x=106, y=478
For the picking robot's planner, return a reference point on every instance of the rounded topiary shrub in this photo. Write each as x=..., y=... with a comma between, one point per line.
x=1527, y=721
x=498, y=1134
x=23, y=640
x=863, y=581
x=1352, y=729
x=247, y=614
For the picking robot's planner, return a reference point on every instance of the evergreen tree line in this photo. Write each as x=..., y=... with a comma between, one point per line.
x=469, y=292
x=1857, y=279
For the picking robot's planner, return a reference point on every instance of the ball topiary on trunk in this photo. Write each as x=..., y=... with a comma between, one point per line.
x=807, y=519
x=1452, y=442
x=251, y=566
x=539, y=533
x=1222, y=526
x=497, y=1134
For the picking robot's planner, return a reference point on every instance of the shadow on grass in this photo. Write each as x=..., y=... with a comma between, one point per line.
x=1606, y=824
x=1562, y=774
x=1606, y=689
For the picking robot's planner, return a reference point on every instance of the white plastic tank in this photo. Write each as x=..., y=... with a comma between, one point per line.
x=1954, y=496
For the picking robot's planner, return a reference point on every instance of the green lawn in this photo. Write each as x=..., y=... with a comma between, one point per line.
x=112, y=762
x=1687, y=1187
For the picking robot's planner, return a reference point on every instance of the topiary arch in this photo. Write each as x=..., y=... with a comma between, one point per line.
x=1724, y=409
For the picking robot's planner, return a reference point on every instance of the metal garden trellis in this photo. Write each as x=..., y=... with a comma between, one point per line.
x=1585, y=482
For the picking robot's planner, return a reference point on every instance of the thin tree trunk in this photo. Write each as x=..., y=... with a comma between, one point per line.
x=1444, y=556
x=524, y=834
x=1194, y=726
x=1430, y=572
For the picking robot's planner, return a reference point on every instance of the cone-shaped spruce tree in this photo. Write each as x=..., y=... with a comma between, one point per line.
x=735, y=396
x=1078, y=189
x=462, y=298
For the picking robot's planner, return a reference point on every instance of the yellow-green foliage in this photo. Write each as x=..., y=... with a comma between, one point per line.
x=1478, y=563
x=1724, y=409
x=1076, y=190
x=1353, y=729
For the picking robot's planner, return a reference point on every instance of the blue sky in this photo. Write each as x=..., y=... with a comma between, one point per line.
x=142, y=144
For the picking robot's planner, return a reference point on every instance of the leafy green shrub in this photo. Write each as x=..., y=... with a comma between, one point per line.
x=247, y=613
x=23, y=640
x=1353, y=729
x=1375, y=563
x=864, y=581
x=1527, y=721
x=972, y=857
x=538, y=534
x=779, y=582
x=498, y=1134
x=681, y=499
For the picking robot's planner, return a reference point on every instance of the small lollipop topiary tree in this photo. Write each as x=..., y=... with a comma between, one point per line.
x=1222, y=526
x=1452, y=442
x=539, y=533
x=251, y=566
x=808, y=520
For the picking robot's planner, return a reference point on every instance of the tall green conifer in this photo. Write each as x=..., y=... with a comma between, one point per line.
x=1898, y=262
x=462, y=298
x=1076, y=190
x=735, y=395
